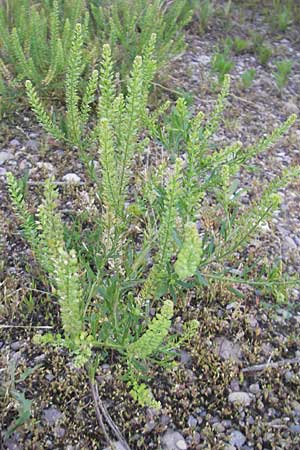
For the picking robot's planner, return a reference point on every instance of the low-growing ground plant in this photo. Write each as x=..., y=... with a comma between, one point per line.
x=260, y=48
x=284, y=69
x=203, y=10
x=263, y=54
x=35, y=40
x=247, y=78
x=14, y=396
x=127, y=26
x=280, y=15
x=240, y=45
x=118, y=272
x=222, y=63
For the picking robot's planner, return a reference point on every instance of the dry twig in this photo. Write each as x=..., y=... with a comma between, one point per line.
x=272, y=365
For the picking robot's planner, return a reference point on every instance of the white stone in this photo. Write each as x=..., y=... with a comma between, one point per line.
x=172, y=440
x=241, y=398
x=71, y=178
x=181, y=445
x=5, y=156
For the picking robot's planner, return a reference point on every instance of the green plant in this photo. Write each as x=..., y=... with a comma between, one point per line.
x=281, y=15
x=127, y=26
x=10, y=390
x=101, y=273
x=264, y=53
x=248, y=77
x=73, y=127
x=203, y=11
x=222, y=64
x=240, y=45
x=35, y=39
x=284, y=69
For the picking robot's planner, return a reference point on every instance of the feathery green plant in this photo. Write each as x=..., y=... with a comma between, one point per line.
x=203, y=11
x=280, y=15
x=35, y=39
x=210, y=173
x=284, y=69
x=247, y=78
x=104, y=278
x=119, y=127
x=127, y=25
x=222, y=64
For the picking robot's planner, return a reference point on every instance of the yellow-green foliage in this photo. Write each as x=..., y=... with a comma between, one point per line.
x=69, y=293
x=143, y=395
x=128, y=25
x=35, y=38
x=45, y=235
x=103, y=277
x=150, y=342
x=189, y=257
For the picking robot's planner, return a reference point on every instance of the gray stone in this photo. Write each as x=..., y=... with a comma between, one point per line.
x=14, y=143
x=252, y=322
x=290, y=108
x=172, y=440
x=192, y=421
x=204, y=59
x=185, y=358
x=254, y=388
x=60, y=432
x=16, y=345
x=12, y=443
x=117, y=445
x=48, y=167
x=227, y=423
x=240, y=398
x=237, y=439
x=5, y=156
x=218, y=427
x=71, y=178
x=296, y=407
x=51, y=415
x=227, y=349
x=235, y=385
x=295, y=428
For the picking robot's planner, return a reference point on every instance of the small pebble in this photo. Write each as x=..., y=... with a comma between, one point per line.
x=51, y=415
x=290, y=108
x=5, y=156
x=237, y=439
x=218, y=427
x=240, y=398
x=71, y=178
x=254, y=388
x=14, y=143
x=192, y=421
x=173, y=440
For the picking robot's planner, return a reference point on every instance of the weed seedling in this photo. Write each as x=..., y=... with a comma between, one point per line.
x=222, y=64
x=264, y=54
x=240, y=45
x=281, y=16
x=247, y=78
x=284, y=69
x=204, y=11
